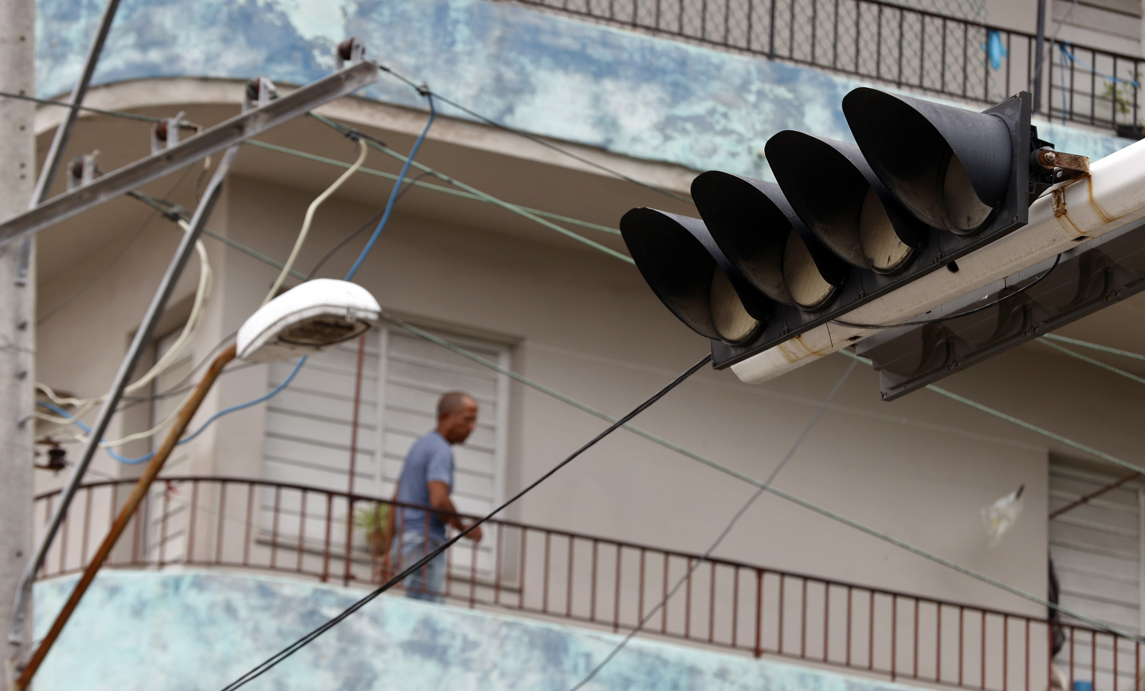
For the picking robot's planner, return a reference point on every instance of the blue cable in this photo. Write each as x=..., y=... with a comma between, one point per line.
x=1116, y=80
x=143, y=459
x=353, y=270
x=394, y=192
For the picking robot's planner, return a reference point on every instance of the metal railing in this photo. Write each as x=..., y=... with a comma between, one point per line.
x=906, y=47
x=280, y=527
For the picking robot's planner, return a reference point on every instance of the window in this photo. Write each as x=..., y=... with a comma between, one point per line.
x=1096, y=547
x=308, y=426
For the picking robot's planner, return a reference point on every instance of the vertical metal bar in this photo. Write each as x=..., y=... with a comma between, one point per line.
x=688, y=600
x=135, y=539
x=1093, y=90
x=86, y=527
x=712, y=603
x=592, y=585
x=901, y=43
x=163, y=528
x=871, y=634
x=938, y=644
x=758, y=612
x=894, y=635
x=473, y=553
x=814, y=22
x=1040, y=56
x=569, y=591
x=346, y=562
x=222, y=517
x=965, y=58
x=986, y=72
x=64, y=545
x=703, y=18
x=803, y=619
x=942, y=73
x=640, y=595
x=664, y=598
x=1005, y=650
x=791, y=30
x=616, y=591
x=782, y=606
x=111, y=400
x=545, y=598
x=1072, y=91
x=915, y=673
x=191, y=525
x=249, y=522
x=858, y=33
x=521, y=570
x=1028, y=655
x=771, y=32
x=1009, y=62
x=879, y=43
x=301, y=530
x=1093, y=655
x=922, y=52
x=735, y=604
x=326, y=545
x=497, y=564
x=961, y=641
x=274, y=527
x=849, y=597
x=826, y=618
x=1116, y=651
x=835, y=36
x=983, y=651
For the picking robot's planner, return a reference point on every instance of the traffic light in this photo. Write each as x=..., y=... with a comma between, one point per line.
x=847, y=223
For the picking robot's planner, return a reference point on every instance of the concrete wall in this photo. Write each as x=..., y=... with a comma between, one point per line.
x=163, y=631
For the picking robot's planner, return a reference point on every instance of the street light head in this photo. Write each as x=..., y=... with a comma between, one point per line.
x=307, y=319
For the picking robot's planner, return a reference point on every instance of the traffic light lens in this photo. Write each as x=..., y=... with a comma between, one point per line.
x=806, y=285
x=965, y=213
x=732, y=322
x=882, y=248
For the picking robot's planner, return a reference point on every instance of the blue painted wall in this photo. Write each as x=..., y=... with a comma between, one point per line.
x=176, y=630
x=622, y=91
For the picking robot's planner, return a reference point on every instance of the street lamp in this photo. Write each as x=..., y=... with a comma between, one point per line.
x=304, y=320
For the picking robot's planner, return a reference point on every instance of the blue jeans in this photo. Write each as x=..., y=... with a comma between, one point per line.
x=428, y=582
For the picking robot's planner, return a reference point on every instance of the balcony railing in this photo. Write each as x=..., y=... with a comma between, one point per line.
x=908, y=48
x=278, y=527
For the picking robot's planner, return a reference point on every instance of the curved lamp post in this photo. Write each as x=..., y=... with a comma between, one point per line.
x=302, y=321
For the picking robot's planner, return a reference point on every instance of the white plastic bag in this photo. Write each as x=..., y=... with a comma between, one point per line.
x=1002, y=514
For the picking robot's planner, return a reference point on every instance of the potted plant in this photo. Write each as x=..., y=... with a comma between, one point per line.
x=372, y=520
x=1123, y=100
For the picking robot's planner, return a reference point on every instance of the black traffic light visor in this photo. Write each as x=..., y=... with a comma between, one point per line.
x=834, y=191
x=950, y=167
x=752, y=222
x=683, y=265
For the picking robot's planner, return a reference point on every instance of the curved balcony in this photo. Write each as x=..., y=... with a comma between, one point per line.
x=239, y=523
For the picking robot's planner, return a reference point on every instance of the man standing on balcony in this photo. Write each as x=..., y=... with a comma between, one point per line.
x=427, y=480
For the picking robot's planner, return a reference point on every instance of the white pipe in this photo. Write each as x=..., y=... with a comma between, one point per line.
x=1112, y=196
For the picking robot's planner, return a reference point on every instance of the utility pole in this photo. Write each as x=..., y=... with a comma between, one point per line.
x=17, y=313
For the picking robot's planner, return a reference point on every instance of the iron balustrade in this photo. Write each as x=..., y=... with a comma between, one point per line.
x=909, y=48
x=280, y=527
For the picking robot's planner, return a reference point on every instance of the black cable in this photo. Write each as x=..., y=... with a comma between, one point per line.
x=425, y=90
x=113, y=113
x=371, y=222
x=110, y=262
x=727, y=529
x=302, y=642
x=948, y=317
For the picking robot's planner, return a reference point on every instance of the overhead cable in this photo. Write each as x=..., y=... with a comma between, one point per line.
x=309, y=218
x=308, y=638
x=723, y=533
x=743, y=477
x=1092, y=361
x=486, y=197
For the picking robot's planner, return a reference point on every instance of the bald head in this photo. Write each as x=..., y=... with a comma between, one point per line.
x=456, y=416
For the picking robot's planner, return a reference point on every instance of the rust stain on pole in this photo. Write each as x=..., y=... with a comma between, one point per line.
x=128, y=510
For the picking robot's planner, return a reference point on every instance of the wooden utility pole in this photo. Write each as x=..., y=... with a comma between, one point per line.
x=17, y=314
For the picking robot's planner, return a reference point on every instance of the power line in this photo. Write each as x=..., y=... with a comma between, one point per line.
x=468, y=188
x=113, y=113
x=743, y=477
x=1093, y=361
x=723, y=534
x=302, y=642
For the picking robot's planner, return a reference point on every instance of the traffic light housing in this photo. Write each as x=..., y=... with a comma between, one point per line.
x=848, y=223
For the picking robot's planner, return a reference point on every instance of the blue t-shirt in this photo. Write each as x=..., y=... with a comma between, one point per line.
x=429, y=460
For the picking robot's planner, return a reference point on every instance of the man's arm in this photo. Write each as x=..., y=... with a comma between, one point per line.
x=443, y=506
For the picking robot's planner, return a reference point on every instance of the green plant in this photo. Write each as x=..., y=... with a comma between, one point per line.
x=1122, y=94
x=372, y=519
